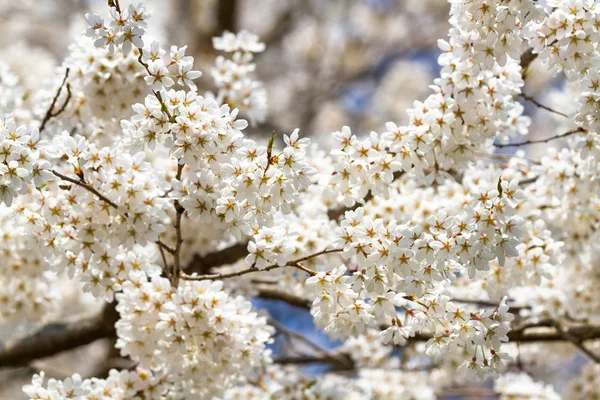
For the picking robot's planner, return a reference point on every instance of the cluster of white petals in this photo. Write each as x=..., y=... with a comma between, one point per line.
x=198, y=337
x=424, y=261
x=233, y=76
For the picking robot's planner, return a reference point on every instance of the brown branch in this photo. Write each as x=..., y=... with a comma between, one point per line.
x=575, y=335
x=57, y=337
x=544, y=107
x=577, y=342
x=49, y=114
x=537, y=141
x=579, y=333
x=179, y=210
x=292, y=263
x=87, y=187
x=228, y=255
x=266, y=291
x=485, y=303
x=227, y=11
x=164, y=260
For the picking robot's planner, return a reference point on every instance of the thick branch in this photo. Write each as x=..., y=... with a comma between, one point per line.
x=228, y=255
x=579, y=333
x=266, y=291
x=57, y=337
x=577, y=342
x=179, y=239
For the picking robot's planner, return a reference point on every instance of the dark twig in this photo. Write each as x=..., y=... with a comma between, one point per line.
x=49, y=114
x=544, y=107
x=293, y=263
x=87, y=187
x=537, y=141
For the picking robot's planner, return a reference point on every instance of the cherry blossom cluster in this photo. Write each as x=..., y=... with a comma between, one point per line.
x=125, y=29
x=233, y=76
x=119, y=385
x=522, y=386
x=203, y=339
x=372, y=384
x=103, y=87
x=566, y=39
x=11, y=94
x=27, y=291
x=473, y=101
x=586, y=385
x=20, y=162
x=398, y=241
x=96, y=238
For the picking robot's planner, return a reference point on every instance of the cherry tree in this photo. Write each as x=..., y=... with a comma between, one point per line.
x=437, y=251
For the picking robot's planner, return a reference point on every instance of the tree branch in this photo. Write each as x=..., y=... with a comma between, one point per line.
x=528, y=142
x=540, y=105
x=228, y=255
x=338, y=359
x=567, y=335
x=87, y=187
x=57, y=337
x=179, y=210
x=293, y=263
x=49, y=114
x=266, y=291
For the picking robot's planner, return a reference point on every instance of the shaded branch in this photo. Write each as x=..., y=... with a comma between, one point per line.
x=228, y=255
x=179, y=210
x=485, y=303
x=57, y=337
x=567, y=335
x=266, y=291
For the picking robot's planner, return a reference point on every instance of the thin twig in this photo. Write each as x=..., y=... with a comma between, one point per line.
x=542, y=106
x=164, y=259
x=87, y=187
x=537, y=141
x=166, y=247
x=293, y=263
x=49, y=113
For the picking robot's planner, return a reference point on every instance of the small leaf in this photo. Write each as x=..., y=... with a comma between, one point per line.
x=500, y=186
